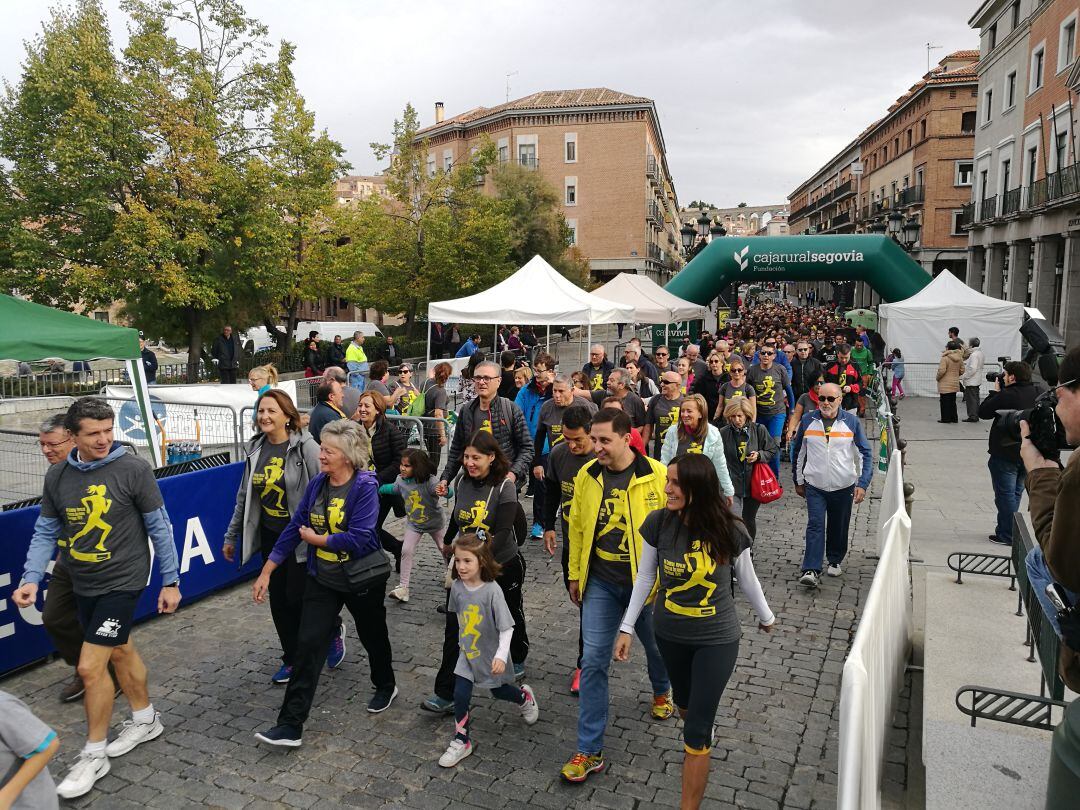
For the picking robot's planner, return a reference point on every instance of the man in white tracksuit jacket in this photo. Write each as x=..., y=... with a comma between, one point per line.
x=833, y=465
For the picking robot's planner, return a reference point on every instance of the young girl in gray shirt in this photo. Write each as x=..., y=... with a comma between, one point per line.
x=485, y=627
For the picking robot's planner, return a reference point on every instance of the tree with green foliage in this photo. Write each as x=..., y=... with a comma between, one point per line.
x=701, y=205
x=72, y=149
x=537, y=225
x=438, y=236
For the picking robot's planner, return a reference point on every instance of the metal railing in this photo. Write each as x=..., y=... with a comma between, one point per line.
x=920, y=379
x=1010, y=201
x=988, y=208
x=215, y=427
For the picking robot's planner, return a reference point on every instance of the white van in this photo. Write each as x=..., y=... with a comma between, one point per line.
x=327, y=329
x=259, y=338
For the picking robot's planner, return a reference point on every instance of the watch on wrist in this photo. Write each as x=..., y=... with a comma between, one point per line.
x=172, y=584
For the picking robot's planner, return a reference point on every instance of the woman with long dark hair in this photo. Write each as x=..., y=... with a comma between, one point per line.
x=486, y=505
x=694, y=545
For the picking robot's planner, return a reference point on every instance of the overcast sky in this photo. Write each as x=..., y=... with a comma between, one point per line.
x=753, y=96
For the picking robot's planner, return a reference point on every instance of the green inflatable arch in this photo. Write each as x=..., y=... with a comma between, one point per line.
x=872, y=258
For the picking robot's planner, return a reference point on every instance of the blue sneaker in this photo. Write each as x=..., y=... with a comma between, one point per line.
x=519, y=671
x=337, y=648
x=537, y=531
x=439, y=705
x=282, y=675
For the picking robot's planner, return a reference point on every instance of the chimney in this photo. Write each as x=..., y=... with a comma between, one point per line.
x=439, y=112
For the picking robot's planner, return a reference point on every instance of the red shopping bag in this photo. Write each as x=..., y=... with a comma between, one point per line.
x=764, y=488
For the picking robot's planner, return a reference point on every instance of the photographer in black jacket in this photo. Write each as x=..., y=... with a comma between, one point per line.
x=1013, y=391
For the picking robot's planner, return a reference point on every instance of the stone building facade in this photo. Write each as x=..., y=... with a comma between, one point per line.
x=1023, y=221
x=603, y=151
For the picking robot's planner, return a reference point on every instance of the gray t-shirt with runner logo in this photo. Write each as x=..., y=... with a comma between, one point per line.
x=769, y=386
x=268, y=484
x=328, y=516
x=611, y=543
x=475, y=508
x=481, y=614
x=422, y=509
x=663, y=414
x=102, y=532
x=694, y=603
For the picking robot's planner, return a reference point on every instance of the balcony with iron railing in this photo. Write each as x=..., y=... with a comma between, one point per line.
x=654, y=252
x=837, y=221
x=654, y=213
x=650, y=168
x=1010, y=201
x=967, y=216
x=912, y=195
x=988, y=208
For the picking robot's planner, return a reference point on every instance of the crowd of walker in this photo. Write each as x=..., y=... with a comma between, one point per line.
x=646, y=479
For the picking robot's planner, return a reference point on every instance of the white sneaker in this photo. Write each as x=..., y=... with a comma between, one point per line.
x=834, y=570
x=82, y=776
x=132, y=734
x=530, y=711
x=455, y=752
x=809, y=579
x=401, y=593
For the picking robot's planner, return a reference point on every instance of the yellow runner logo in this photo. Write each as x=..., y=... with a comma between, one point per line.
x=766, y=391
x=471, y=631
x=416, y=509
x=94, y=506
x=615, y=512
x=700, y=567
x=272, y=473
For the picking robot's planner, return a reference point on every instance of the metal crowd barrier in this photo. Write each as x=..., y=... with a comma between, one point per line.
x=920, y=379
x=213, y=426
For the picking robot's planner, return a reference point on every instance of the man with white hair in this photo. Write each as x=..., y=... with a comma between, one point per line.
x=697, y=365
x=832, y=466
x=633, y=354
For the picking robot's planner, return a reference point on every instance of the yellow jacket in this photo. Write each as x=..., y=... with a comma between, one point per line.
x=644, y=494
x=355, y=354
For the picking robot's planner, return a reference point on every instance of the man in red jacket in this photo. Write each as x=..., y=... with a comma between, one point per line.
x=844, y=374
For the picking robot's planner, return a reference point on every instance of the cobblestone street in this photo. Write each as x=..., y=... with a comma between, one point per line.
x=776, y=744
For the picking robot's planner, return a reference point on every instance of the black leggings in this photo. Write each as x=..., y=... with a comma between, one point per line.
x=463, y=689
x=699, y=675
x=287, y=584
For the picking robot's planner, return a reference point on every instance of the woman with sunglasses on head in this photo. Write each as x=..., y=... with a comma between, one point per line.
x=736, y=387
x=693, y=546
x=745, y=444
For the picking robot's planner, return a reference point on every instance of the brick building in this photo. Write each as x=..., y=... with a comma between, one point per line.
x=355, y=187
x=1023, y=221
x=916, y=161
x=603, y=151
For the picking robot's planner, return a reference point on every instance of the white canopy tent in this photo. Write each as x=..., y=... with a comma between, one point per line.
x=654, y=304
x=537, y=295
x=919, y=326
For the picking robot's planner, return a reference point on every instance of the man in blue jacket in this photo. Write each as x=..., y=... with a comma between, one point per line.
x=833, y=464
x=98, y=506
x=530, y=399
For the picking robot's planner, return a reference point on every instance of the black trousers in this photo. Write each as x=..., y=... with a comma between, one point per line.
x=566, y=584
x=388, y=541
x=948, y=407
x=539, y=490
x=60, y=617
x=287, y=585
x=699, y=674
x=510, y=580
x=317, y=621
x=228, y=375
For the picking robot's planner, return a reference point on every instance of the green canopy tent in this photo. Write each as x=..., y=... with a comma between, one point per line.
x=34, y=332
x=862, y=317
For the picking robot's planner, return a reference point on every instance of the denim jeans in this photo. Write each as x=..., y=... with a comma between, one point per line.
x=358, y=374
x=1008, y=479
x=775, y=425
x=827, y=520
x=602, y=610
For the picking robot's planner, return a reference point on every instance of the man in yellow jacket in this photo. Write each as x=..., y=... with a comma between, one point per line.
x=612, y=496
x=356, y=361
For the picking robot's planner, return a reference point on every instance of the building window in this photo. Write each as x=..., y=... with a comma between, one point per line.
x=1061, y=146
x=1032, y=164
x=991, y=37
x=983, y=183
x=1006, y=171
x=1015, y=15
x=988, y=104
x=571, y=148
x=1067, y=42
x=964, y=170
x=101, y=315
x=967, y=123
x=447, y=160
x=572, y=225
x=1038, y=60
x=896, y=146
x=1010, y=90
x=431, y=165
x=918, y=177
x=504, y=150
x=922, y=127
x=527, y=155
x=956, y=230
x=570, y=185
x=909, y=138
